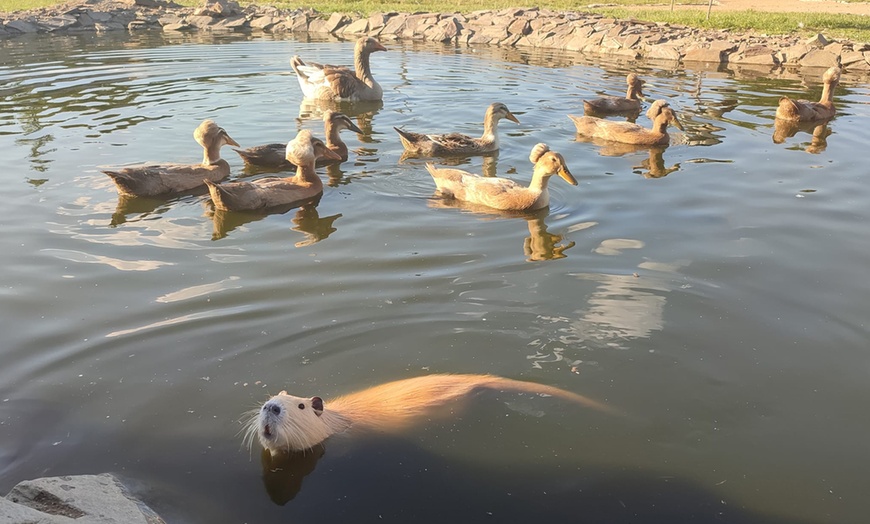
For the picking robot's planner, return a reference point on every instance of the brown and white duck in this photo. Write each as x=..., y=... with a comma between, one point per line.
x=806, y=110
x=265, y=193
x=502, y=193
x=324, y=81
x=615, y=104
x=457, y=143
x=274, y=155
x=628, y=133
x=161, y=179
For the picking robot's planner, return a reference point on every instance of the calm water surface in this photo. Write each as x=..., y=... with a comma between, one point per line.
x=722, y=306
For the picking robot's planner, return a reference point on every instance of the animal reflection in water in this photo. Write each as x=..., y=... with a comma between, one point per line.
x=307, y=221
x=283, y=473
x=784, y=129
x=653, y=166
x=363, y=111
x=540, y=245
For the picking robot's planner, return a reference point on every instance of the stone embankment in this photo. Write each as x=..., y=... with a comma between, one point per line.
x=586, y=33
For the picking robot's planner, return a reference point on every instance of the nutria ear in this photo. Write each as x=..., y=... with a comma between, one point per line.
x=282, y=392
x=317, y=405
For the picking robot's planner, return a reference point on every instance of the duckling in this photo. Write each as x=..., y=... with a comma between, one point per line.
x=160, y=179
x=457, y=143
x=615, y=104
x=805, y=110
x=324, y=81
x=264, y=193
x=501, y=193
x=274, y=155
x=627, y=132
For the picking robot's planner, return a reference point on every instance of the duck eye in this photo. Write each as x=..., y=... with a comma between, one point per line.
x=301, y=406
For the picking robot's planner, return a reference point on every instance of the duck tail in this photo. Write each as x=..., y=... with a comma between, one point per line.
x=125, y=183
x=217, y=194
x=296, y=63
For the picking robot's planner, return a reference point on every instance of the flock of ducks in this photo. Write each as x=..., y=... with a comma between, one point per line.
x=306, y=152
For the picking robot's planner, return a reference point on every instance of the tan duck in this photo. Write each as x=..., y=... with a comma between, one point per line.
x=615, y=104
x=457, y=143
x=265, y=193
x=629, y=133
x=502, y=193
x=805, y=110
x=161, y=179
x=324, y=81
x=274, y=155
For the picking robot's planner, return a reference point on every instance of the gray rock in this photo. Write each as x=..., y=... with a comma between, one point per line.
x=264, y=22
x=359, y=27
x=663, y=52
x=335, y=21
x=57, y=23
x=818, y=40
x=137, y=25
x=201, y=21
x=819, y=58
x=92, y=499
x=22, y=27
x=703, y=54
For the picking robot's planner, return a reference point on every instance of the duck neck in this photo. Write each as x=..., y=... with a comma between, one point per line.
x=211, y=155
x=660, y=125
x=363, y=69
x=633, y=92
x=334, y=141
x=827, y=98
x=539, y=182
x=490, y=130
x=307, y=176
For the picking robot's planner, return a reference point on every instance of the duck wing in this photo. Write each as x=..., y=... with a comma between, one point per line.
x=267, y=155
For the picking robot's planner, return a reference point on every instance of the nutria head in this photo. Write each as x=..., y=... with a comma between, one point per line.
x=289, y=423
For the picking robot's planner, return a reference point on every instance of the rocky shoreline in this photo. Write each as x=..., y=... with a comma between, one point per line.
x=586, y=33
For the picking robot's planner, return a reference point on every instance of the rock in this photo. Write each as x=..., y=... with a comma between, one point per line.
x=818, y=40
x=137, y=25
x=22, y=27
x=703, y=54
x=264, y=22
x=335, y=21
x=202, y=21
x=57, y=23
x=663, y=52
x=360, y=27
x=819, y=58
x=92, y=499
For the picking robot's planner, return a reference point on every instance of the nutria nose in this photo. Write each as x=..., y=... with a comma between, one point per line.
x=274, y=408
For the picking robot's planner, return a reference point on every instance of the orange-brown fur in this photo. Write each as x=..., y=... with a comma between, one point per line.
x=289, y=423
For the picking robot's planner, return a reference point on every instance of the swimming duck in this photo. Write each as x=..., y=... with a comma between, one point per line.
x=457, y=143
x=502, y=193
x=805, y=110
x=629, y=133
x=274, y=155
x=324, y=81
x=304, y=150
x=615, y=104
x=159, y=179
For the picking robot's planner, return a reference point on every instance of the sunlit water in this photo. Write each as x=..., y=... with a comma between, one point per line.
x=723, y=306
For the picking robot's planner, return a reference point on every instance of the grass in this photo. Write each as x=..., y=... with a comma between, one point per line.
x=853, y=27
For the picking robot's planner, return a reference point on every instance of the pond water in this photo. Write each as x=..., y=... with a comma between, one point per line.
x=723, y=307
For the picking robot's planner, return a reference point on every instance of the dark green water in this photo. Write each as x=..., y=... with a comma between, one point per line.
x=723, y=306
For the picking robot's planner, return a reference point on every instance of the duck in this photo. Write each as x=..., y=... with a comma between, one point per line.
x=627, y=132
x=324, y=81
x=265, y=193
x=501, y=193
x=148, y=180
x=274, y=155
x=457, y=143
x=615, y=104
x=806, y=110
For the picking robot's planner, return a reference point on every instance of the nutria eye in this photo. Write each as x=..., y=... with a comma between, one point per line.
x=301, y=406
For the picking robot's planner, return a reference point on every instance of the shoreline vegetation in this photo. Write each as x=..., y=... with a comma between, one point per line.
x=591, y=34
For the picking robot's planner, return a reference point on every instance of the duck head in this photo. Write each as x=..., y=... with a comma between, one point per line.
x=551, y=163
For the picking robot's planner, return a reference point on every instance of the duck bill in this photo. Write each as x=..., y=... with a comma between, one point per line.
x=379, y=47
x=676, y=123
x=510, y=116
x=354, y=128
x=229, y=140
x=567, y=176
x=327, y=153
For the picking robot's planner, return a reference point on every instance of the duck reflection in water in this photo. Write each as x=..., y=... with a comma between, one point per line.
x=540, y=245
x=307, y=221
x=144, y=207
x=363, y=111
x=653, y=166
x=784, y=129
x=283, y=474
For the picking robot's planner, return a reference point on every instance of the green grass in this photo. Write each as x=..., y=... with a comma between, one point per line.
x=853, y=27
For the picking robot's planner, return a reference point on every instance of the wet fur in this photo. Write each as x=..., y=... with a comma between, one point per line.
x=290, y=423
